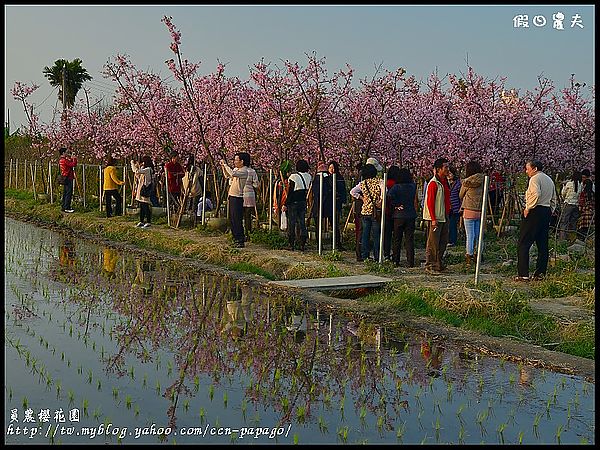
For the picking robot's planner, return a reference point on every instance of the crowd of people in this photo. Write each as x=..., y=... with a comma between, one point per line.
x=450, y=204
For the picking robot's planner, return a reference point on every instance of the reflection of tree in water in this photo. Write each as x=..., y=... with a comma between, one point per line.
x=221, y=327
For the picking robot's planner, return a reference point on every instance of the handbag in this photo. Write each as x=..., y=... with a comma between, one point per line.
x=376, y=214
x=283, y=223
x=146, y=190
x=60, y=178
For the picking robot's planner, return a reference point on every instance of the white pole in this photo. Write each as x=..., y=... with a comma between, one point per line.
x=25, y=175
x=100, y=185
x=481, y=228
x=33, y=170
x=270, y=199
x=10, y=174
x=381, y=231
x=50, y=182
x=83, y=182
x=124, y=184
x=167, y=194
x=204, y=195
x=320, y=209
x=17, y=173
x=334, y=211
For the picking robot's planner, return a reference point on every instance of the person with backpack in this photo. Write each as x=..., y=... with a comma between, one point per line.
x=295, y=204
x=145, y=183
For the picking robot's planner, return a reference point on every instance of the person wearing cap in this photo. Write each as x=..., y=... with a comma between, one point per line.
x=436, y=210
x=371, y=191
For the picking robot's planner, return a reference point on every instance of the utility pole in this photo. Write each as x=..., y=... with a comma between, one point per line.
x=64, y=75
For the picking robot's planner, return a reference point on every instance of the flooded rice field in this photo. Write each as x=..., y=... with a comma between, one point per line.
x=104, y=346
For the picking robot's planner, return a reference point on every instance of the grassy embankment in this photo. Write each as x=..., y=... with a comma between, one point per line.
x=493, y=309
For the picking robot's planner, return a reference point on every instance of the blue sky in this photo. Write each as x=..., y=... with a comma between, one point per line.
x=419, y=38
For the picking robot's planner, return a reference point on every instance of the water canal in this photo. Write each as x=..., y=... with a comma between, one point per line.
x=105, y=346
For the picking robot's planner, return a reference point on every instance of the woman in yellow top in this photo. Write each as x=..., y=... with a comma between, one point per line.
x=111, y=186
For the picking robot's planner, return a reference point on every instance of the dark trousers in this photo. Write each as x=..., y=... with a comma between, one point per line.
x=297, y=222
x=388, y=228
x=236, y=213
x=145, y=212
x=67, y=194
x=495, y=200
x=453, y=228
x=108, y=196
x=437, y=240
x=248, y=210
x=568, y=221
x=404, y=227
x=358, y=228
x=534, y=228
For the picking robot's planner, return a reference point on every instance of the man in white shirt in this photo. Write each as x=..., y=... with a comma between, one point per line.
x=540, y=201
x=237, y=176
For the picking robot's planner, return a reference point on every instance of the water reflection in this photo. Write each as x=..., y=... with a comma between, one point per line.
x=195, y=333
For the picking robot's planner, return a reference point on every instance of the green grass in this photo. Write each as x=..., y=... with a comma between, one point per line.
x=251, y=268
x=271, y=239
x=510, y=316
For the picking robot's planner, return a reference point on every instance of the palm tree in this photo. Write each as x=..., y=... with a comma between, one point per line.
x=74, y=74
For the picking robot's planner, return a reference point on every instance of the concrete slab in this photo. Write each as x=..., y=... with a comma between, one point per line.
x=336, y=283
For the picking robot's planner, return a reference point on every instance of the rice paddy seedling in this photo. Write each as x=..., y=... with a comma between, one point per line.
x=225, y=399
x=500, y=431
x=90, y=376
x=157, y=386
x=71, y=396
x=322, y=425
x=536, y=422
x=128, y=401
x=85, y=406
x=521, y=434
x=559, y=431
x=343, y=433
x=115, y=392
x=131, y=373
x=197, y=383
x=96, y=413
x=363, y=413
x=211, y=392
x=202, y=413
x=400, y=431
x=301, y=414
x=25, y=402
x=136, y=410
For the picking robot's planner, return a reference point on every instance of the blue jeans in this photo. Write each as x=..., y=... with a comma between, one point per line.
x=368, y=224
x=472, y=232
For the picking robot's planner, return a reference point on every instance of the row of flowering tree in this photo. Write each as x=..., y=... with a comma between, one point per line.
x=294, y=111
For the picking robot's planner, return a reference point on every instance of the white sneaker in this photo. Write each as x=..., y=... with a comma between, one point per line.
x=147, y=225
x=69, y=210
x=139, y=225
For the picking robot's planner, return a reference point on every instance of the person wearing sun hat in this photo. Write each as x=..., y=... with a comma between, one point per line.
x=374, y=162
